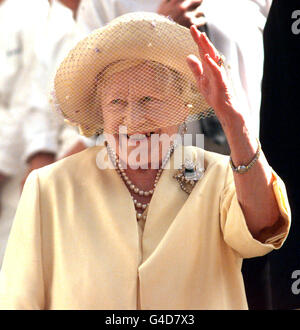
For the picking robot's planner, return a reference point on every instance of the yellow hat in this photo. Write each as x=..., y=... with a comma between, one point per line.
x=135, y=36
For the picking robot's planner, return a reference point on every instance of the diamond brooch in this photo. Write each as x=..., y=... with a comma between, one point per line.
x=189, y=174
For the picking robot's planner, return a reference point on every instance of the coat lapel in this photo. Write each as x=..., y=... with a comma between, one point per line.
x=167, y=201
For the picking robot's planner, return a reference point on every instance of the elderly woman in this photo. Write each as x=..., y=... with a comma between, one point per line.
x=130, y=224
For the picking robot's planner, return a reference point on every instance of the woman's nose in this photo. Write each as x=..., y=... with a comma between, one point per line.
x=134, y=118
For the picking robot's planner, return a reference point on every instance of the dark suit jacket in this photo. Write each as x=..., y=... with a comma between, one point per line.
x=280, y=136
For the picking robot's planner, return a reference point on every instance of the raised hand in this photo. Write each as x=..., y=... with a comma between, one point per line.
x=211, y=77
x=254, y=188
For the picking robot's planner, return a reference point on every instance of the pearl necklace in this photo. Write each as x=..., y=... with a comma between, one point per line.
x=134, y=189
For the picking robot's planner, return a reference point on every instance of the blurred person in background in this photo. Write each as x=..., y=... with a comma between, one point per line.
x=16, y=63
x=52, y=44
x=38, y=33
x=279, y=133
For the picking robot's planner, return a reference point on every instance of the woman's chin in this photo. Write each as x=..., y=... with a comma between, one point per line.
x=141, y=150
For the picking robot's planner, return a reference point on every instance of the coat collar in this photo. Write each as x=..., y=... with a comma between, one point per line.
x=167, y=201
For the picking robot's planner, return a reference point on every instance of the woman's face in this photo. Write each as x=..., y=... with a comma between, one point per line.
x=148, y=106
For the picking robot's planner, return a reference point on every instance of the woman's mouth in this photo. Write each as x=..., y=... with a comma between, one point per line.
x=140, y=136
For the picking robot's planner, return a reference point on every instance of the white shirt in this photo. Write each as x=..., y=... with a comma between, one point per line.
x=235, y=27
x=18, y=22
x=54, y=41
x=35, y=47
x=36, y=39
x=16, y=63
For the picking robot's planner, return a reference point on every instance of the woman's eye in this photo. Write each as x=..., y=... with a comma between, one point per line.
x=117, y=101
x=146, y=99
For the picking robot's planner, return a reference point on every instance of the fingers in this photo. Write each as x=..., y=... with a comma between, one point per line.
x=210, y=48
x=206, y=69
x=197, y=38
x=204, y=44
x=213, y=66
x=195, y=66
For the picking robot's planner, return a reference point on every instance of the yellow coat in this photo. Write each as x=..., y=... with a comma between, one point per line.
x=75, y=241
